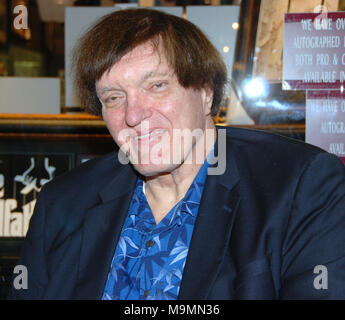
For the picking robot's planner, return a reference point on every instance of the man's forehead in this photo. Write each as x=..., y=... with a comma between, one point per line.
x=152, y=59
x=152, y=64
x=149, y=48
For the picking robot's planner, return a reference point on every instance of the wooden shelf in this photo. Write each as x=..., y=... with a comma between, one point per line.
x=83, y=124
x=77, y=119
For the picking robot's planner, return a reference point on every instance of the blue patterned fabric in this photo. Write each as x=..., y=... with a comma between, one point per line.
x=149, y=259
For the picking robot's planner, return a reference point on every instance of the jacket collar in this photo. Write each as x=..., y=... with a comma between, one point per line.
x=122, y=183
x=213, y=228
x=100, y=233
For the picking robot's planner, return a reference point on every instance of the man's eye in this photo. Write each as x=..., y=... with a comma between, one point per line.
x=113, y=99
x=159, y=85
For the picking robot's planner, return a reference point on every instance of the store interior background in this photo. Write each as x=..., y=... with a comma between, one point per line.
x=39, y=51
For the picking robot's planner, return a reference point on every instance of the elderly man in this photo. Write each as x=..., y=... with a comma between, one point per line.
x=200, y=212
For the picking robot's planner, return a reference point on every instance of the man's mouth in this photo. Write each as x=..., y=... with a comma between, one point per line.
x=150, y=135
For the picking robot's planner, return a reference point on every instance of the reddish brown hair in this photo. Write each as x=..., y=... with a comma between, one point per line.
x=195, y=61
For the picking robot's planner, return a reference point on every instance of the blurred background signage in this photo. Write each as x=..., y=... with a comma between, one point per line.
x=314, y=55
x=325, y=121
x=314, y=60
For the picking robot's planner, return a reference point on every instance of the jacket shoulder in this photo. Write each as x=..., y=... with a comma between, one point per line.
x=263, y=143
x=270, y=160
x=87, y=172
x=63, y=202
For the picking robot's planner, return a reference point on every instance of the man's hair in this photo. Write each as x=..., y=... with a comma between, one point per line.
x=195, y=61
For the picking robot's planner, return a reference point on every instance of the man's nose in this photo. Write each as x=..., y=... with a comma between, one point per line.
x=137, y=110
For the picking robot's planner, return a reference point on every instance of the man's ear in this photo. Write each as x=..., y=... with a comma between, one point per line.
x=207, y=96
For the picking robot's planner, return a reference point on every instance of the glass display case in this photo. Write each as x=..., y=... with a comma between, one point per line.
x=256, y=97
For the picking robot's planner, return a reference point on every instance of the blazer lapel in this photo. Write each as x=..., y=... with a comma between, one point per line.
x=212, y=232
x=101, y=230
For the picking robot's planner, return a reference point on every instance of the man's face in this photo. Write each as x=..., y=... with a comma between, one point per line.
x=143, y=104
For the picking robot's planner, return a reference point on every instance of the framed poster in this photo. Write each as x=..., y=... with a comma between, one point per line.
x=22, y=176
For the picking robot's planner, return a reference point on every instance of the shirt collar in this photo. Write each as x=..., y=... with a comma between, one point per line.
x=192, y=197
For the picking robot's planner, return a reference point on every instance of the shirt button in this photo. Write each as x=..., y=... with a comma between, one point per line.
x=146, y=293
x=149, y=243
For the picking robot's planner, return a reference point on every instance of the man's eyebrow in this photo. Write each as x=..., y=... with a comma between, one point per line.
x=152, y=74
x=101, y=91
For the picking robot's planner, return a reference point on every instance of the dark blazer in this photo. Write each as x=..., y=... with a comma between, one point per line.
x=276, y=213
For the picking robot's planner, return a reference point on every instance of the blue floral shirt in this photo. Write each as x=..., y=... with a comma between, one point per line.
x=149, y=259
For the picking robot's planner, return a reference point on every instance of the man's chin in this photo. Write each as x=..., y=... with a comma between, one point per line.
x=151, y=170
